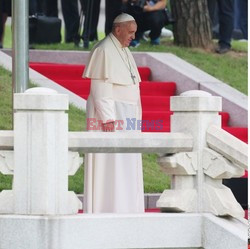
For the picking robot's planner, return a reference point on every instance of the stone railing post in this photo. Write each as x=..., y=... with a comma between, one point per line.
x=40, y=184
x=193, y=187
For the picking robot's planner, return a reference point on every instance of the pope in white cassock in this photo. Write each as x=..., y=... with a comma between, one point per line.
x=113, y=182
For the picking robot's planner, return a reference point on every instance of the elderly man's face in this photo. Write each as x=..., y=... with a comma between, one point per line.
x=125, y=33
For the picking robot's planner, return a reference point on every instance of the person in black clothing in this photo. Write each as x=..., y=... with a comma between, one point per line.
x=151, y=17
x=226, y=22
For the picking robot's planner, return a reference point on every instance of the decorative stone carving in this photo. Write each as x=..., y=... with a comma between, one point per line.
x=218, y=167
x=7, y=202
x=178, y=200
x=6, y=162
x=75, y=161
x=220, y=201
x=183, y=163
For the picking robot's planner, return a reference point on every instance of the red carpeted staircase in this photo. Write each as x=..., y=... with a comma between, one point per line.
x=155, y=96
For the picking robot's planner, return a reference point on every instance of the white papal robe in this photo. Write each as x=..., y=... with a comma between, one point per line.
x=113, y=182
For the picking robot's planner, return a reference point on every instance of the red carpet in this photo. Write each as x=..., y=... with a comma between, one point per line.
x=155, y=96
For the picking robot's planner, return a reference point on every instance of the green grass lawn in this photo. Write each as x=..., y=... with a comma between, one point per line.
x=154, y=179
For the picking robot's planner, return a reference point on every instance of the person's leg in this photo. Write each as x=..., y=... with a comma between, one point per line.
x=236, y=14
x=71, y=19
x=94, y=19
x=112, y=9
x=5, y=11
x=154, y=21
x=212, y=9
x=40, y=5
x=214, y=19
x=1, y=25
x=226, y=21
x=32, y=7
x=243, y=20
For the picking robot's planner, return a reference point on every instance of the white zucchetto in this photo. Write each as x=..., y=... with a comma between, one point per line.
x=124, y=18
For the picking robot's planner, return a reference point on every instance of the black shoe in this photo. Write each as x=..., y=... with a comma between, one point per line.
x=1, y=45
x=222, y=50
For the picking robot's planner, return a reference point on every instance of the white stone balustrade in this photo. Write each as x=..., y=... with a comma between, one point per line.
x=46, y=153
x=196, y=184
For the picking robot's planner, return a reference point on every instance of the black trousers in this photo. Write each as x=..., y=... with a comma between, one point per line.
x=51, y=8
x=153, y=21
x=91, y=18
x=112, y=9
x=71, y=19
x=243, y=12
x=226, y=19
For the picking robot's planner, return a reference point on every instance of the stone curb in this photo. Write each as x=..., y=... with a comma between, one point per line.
x=149, y=200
